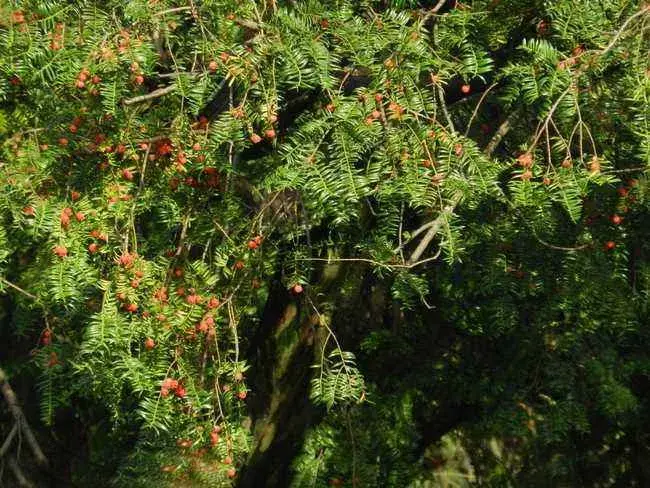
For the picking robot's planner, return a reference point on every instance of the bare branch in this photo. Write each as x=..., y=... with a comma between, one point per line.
x=19, y=289
x=17, y=412
x=154, y=94
x=435, y=227
x=501, y=132
x=23, y=482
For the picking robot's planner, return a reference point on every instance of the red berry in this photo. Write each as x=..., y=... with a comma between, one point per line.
x=80, y=216
x=127, y=174
x=270, y=134
x=622, y=192
x=212, y=66
x=75, y=195
x=255, y=139
x=126, y=259
x=149, y=344
x=227, y=460
x=465, y=89
x=54, y=360
x=132, y=308
x=239, y=265
x=252, y=244
x=193, y=299
x=96, y=80
x=135, y=283
x=213, y=302
x=80, y=84
x=61, y=251
x=178, y=272
x=241, y=395
x=196, y=146
x=609, y=245
x=29, y=211
x=214, y=438
x=616, y=219
x=232, y=473
x=138, y=80
x=73, y=128
x=63, y=141
x=297, y=289
x=378, y=97
x=92, y=248
x=180, y=392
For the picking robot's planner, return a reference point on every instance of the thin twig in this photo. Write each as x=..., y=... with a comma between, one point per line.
x=501, y=132
x=619, y=33
x=154, y=94
x=23, y=482
x=436, y=225
x=19, y=289
x=478, y=105
x=19, y=416
x=7, y=443
x=173, y=10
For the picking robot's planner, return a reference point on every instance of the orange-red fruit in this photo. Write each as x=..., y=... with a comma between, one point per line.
x=63, y=141
x=75, y=195
x=465, y=89
x=80, y=216
x=149, y=343
x=212, y=66
x=127, y=174
x=61, y=251
x=270, y=133
x=29, y=211
x=255, y=139
x=232, y=473
x=138, y=80
x=96, y=80
x=227, y=460
x=622, y=192
x=239, y=265
x=80, y=84
x=180, y=392
x=196, y=146
x=135, y=283
x=193, y=299
x=241, y=395
x=92, y=248
x=214, y=438
x=616, y=219
x=297, y=289
x=609, y=245
x=213, y=302
x=252, y=244
x=132, y=307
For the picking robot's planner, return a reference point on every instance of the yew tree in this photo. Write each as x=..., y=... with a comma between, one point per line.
x=325, y=242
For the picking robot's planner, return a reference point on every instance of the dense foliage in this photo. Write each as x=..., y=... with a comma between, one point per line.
x=300, y=243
